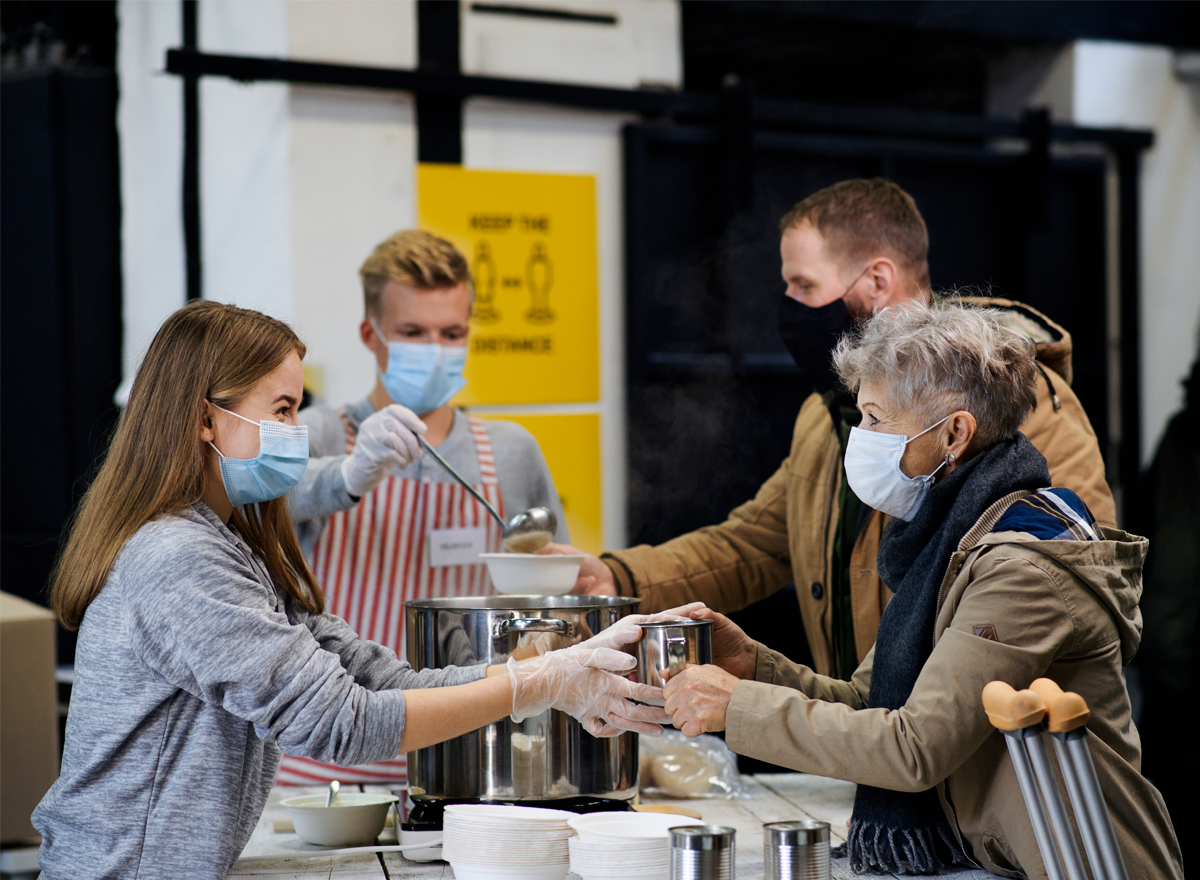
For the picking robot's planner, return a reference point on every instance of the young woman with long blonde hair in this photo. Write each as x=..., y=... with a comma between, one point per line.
x=203, y=650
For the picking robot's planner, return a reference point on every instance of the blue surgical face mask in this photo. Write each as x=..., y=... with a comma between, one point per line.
x=873, y=472
x=422, y=376
x=279, y=465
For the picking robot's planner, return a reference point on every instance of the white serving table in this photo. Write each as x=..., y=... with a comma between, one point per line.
x=774, y=797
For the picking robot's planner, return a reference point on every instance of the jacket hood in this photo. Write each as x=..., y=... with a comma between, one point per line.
x=1111, y=568
x=1053, y=341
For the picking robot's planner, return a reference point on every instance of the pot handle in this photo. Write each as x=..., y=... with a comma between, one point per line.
x=517, y=625
x=676, y=655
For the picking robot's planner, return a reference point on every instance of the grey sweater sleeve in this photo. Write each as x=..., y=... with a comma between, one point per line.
x=212, y=628
x=375, y=666
x=322, y=489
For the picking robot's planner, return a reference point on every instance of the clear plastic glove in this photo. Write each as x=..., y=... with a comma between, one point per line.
x=386, y=439
x=587, y=684
x=625, y=632
x=628, y=631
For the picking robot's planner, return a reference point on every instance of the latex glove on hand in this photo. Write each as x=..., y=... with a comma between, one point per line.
x=386, y=439
x=698, y=699
x=620, y=636
x=587, y=684
x=628, y=631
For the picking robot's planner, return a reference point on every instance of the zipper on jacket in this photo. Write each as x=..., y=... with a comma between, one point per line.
x=937, y=608
x=957, y=831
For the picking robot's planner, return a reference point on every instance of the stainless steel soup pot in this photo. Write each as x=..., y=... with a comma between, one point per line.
x=545, y=757
x=671, y=645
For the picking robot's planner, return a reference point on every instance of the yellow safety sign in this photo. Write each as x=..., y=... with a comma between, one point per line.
x=531, y=243
x=571, y=444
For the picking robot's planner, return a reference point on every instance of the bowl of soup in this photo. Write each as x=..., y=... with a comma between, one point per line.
x=532, y=574
x=355, y=818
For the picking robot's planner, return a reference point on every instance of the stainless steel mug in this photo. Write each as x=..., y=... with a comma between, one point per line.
x=702, y=852
x=671, y=645
x=796, y=850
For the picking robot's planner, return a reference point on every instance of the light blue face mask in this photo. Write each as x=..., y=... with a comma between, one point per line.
x=873, y=471
x=422, y=376
x=279, y=465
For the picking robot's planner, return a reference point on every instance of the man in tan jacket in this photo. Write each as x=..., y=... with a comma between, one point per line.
x=847, y=251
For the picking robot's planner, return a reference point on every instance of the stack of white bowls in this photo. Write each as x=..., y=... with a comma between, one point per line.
x=623, y=846
x=501, y=842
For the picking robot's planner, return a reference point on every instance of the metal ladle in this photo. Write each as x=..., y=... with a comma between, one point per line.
x=527, y=532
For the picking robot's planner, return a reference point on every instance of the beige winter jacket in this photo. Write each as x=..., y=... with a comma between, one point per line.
x=786, y=532
x=1011, y=608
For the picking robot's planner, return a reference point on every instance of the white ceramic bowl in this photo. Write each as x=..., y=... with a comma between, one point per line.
x=355, y=817
x=530, y=574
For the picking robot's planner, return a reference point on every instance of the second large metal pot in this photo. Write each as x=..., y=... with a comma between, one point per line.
x=546, y=757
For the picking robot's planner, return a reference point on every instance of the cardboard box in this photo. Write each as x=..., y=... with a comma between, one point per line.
x=28, y=713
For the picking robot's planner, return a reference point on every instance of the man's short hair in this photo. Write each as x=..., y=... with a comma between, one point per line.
x=861, y=219
x=414, y=258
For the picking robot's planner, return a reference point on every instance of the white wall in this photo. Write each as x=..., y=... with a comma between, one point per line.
x=150, y=122
x=641, y=49
x=352, y=177
x=245, y=200
x=1124, y=85
x=245, y=197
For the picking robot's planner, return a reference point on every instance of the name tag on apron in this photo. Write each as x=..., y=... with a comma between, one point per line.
x=456, y=546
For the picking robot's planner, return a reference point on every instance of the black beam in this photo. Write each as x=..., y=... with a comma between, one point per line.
x=439, y=116
x=767, y=113
x=191, y=158
x=252, y=69
x=1026, y=21
x=1129, y=454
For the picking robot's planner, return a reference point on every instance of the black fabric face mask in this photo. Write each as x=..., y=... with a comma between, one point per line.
x=811, y=334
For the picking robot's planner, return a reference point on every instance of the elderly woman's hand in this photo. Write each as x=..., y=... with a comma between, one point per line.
x=698, y=698
x=733, y=650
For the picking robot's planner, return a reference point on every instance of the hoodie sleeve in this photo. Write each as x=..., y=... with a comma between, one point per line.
x=199, y=617
x=943, y=722
x=375, y=666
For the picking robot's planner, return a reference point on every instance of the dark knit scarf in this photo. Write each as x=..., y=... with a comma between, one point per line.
x=902, y=832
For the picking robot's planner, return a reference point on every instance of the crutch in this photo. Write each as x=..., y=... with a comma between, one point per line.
x=1019, y=714
x=1066, y=716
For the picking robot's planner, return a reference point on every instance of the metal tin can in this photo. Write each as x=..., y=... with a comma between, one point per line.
x=702, y=852
x=796, y=850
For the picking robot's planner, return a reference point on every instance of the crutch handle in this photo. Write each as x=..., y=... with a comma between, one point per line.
x=1010, y=709
x=1065, y=710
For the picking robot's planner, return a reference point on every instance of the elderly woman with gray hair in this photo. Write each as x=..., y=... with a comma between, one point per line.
x=994, y=575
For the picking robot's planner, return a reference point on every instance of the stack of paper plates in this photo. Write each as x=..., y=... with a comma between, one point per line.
x=501, y=842
x=623, y=846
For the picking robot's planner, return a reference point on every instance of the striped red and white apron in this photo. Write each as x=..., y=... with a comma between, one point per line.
x=372, y=558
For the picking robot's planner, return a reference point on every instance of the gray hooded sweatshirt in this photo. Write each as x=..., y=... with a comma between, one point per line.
x=193, y=671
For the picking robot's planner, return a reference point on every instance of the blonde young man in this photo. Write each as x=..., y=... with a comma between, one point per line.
x=847, y=251
x=379, y=523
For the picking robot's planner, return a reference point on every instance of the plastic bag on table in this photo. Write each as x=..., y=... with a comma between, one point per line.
x=676, y=766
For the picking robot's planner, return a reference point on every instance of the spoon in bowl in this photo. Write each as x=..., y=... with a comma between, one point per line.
x=527, y=532
x=333, y=790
